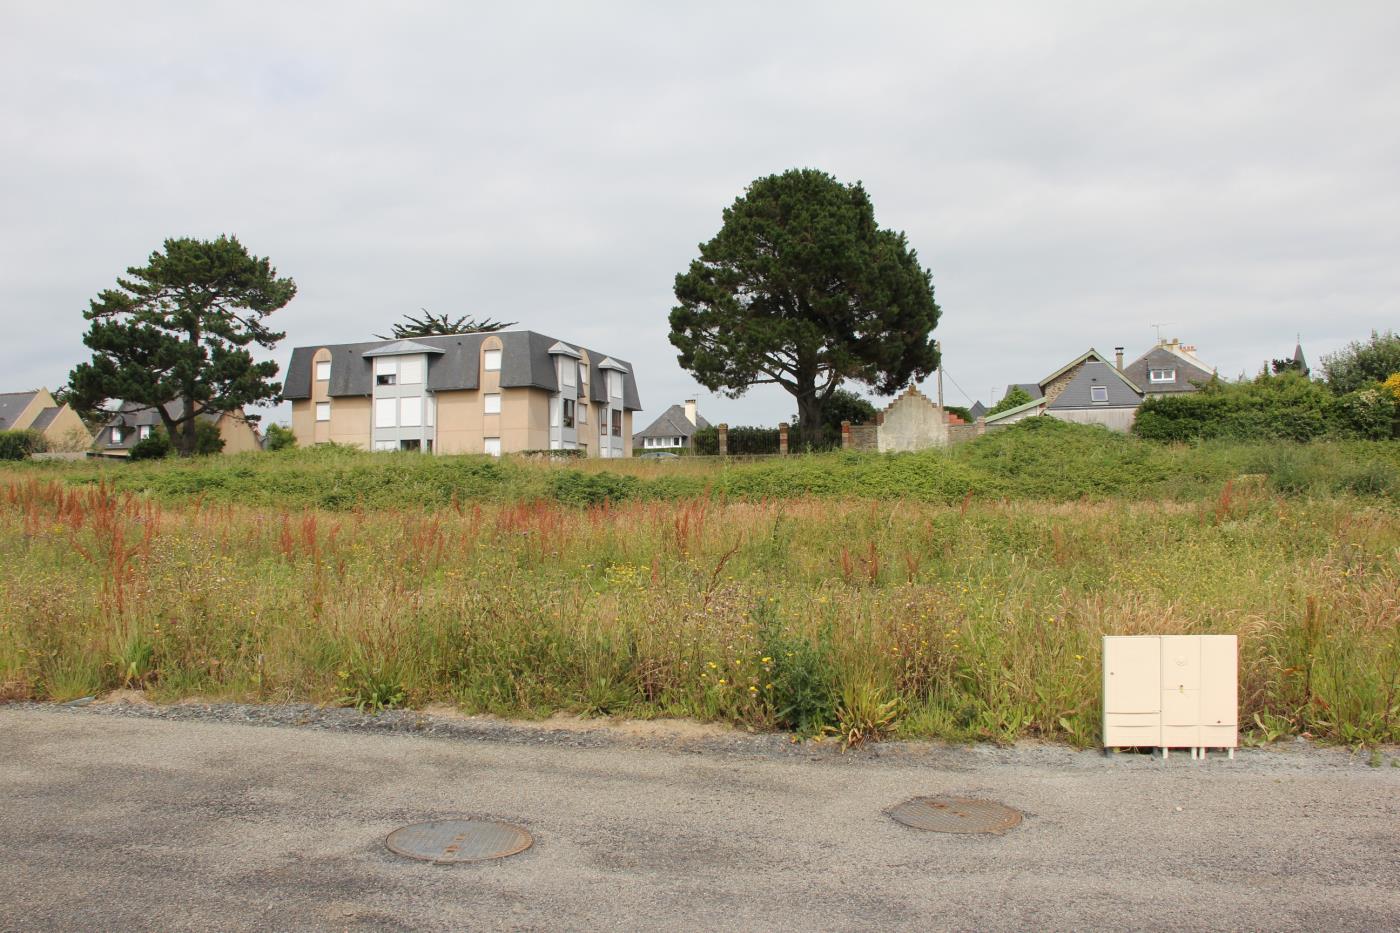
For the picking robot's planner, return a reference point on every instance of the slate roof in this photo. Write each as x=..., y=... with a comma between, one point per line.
x=1189, y=374
x=977, y=410
x=12, y=405
x=673, y=423
x=525, y=362
x=1093, y=373
x=1031, y=388
x=132, y=415
x=45, y=417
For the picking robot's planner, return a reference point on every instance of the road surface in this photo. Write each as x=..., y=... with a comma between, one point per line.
x=124, y=821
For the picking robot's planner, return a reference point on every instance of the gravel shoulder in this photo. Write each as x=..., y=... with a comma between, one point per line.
x=230, y=817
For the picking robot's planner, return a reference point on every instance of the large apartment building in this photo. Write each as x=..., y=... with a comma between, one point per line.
x=490, y=393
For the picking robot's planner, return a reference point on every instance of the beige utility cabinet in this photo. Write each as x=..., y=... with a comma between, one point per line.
x=1171, y=691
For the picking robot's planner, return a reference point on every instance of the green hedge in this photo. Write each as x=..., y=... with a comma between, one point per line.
x=18, y=445
x=1284, y=407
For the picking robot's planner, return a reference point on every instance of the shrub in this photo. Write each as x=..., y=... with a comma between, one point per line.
x=1288, y=406
x=207, y=439
x=18, y=445
x=155, y=447
x=280, y=438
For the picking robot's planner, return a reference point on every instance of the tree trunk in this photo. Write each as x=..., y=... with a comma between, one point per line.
x=809, y=418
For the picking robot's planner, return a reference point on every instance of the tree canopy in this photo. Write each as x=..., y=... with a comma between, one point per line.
x=174, y=335
x=801, y=289
x=440, y=325
x=1360, y=364
x=1014, y=396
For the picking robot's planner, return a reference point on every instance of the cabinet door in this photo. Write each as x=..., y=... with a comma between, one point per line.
x=1182, y=737
x=1219, y=680
x=1181, y=707
x=1181, y=662
x=1131, y=729
x=1132, y=674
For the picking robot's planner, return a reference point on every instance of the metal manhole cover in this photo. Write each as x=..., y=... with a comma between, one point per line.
x=446, y=841
x=956, y=815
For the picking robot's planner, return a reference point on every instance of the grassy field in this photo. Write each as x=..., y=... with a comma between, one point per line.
x=1042, y=459
x=875, y=600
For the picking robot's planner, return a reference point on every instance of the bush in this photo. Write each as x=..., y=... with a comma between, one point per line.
x=18, y=445
x=207, y=439
x=155, y=447
x=1288, y=406
x=280, y=438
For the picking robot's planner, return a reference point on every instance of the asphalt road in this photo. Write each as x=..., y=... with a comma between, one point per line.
x=119, y=822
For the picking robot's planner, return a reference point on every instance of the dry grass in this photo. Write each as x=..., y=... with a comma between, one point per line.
x=970, y=620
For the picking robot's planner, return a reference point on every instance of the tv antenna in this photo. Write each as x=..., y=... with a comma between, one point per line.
x=1159, y=328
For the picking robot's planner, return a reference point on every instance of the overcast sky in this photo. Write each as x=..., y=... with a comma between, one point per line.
x=1072, y=173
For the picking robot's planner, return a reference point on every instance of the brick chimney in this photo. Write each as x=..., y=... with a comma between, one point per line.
x=690, y=410
x=1118, y=358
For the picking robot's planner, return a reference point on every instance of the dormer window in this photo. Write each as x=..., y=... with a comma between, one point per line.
x=1161, y=375
x=491, y=361
x=1098, y=393
x=116, y=435
x=323, y=371
x=386, y=371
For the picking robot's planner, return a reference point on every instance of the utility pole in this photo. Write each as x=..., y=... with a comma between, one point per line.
x=938, y=345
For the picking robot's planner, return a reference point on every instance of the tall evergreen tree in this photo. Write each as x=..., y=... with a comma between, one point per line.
x=178, y=330
x=801, y=289
x=438, y=325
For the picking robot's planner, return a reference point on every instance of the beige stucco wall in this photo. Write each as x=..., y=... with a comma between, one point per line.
x=67, y=432
x=238, y=433
x=42, y=399
x=1115, y=419
x=912, y=422
x=350, y=420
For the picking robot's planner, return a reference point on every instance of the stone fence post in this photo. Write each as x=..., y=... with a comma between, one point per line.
x=724, y=440
x=782, y=438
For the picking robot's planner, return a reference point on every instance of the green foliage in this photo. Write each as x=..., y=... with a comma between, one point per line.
x=1283, y=407
x=371, y=687
x=961, y=411
x=592, y=488
x=155, y=447
x=1014, y=396
x=1358, y=364
x=845, y=405
x=803, y=696
x=18, y=445
x=800, y=288
x=280, y=438
x=438, y=325
x=207, y=439
x=179, y=329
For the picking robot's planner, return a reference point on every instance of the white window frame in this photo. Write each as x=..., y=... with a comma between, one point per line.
x=116, y=435
x=568, y=373
x=582, y=410
x=323, y=411
x=1161, y=375
x=491, y=362
x=143, y=432
x=491, y=446
x=386, y=446
x=1096, y=391
x=411, y=411
x=386, y=406
x=323, y=370
x=491, y=403
x=614, y=384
